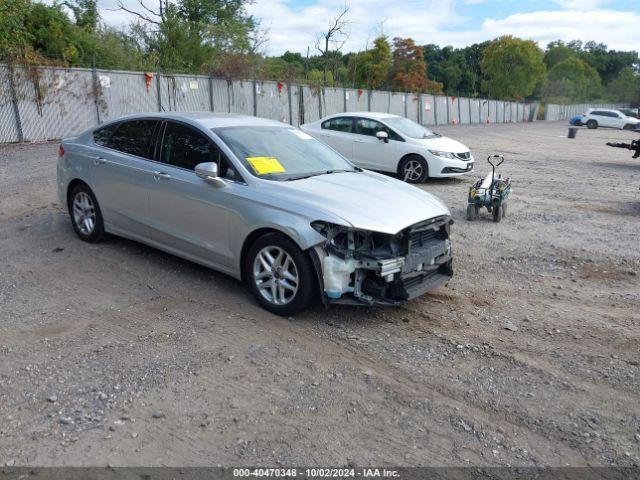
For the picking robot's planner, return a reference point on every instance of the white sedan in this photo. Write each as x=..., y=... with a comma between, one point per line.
x=390, y=143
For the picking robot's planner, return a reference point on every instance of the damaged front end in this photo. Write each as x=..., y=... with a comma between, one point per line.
x=373, y=268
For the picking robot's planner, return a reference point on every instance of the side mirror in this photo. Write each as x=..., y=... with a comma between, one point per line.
x=208, y=171
x=382, y=136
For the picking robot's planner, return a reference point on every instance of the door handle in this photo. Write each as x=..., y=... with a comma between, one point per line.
x=99, y=161
x=161, y=175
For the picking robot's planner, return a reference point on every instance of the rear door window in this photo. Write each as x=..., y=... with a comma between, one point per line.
x=103, y=135
x=135, y=137
x=340, y=124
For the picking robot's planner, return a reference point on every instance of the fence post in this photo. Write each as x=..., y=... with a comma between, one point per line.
x=14, y=101
x=419, y=115
x=289, y=101
x=448, y=110
x=435, y=110
x=158, y=76
x=301, y=104
x=344, y=99
x=94, y=77
x=404, y=101
x=211, y=106
x=459, y=112
x=368, y=100
x=255, y=97
x=320, y=92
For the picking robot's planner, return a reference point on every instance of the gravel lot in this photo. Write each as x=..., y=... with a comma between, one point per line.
x=120, y=354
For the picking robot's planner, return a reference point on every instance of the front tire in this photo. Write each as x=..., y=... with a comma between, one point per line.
x=413, y=169
x=85, y=213
x=281, y=276
x=592, y=124
x=472, y=212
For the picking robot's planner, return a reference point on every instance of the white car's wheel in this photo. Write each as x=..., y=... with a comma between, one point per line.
x=413, y=169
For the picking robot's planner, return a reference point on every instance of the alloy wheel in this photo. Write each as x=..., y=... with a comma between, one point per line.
x=412, y=170
x=84, y=213
x=276, y=275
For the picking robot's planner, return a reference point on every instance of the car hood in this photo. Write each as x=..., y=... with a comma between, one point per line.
x=444, y=144
x=366, y=200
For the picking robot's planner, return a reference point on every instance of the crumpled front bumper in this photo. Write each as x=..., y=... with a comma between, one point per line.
x=425, y=265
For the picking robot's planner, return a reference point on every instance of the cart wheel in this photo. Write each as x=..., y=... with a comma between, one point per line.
x=504, y=210
x=497, y=213
x=472, y=212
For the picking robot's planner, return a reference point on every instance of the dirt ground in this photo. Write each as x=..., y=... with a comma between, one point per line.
x=120, y=354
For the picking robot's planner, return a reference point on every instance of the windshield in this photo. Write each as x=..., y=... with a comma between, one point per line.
x=409, y=128
x=280, y=153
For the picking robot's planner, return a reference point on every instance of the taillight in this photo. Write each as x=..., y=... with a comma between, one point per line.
x=60, y=150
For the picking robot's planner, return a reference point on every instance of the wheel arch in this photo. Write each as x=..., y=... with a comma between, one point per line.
x=255, y=235
x=73, y=184
x=406, y=156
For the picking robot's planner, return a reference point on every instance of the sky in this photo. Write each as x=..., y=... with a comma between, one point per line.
x=294, y=25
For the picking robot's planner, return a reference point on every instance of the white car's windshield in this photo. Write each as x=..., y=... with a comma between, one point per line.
x=409, y=128
x=280, y=153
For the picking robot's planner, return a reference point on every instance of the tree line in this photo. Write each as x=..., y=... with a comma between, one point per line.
x=218, y=37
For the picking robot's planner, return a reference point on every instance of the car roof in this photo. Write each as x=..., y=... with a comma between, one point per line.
x=603, y=110
x=209, y=120
x=374, y=115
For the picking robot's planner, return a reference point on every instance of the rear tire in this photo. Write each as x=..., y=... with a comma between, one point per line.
x=497, y=213
x=413, y=169
x=592, y=124
x=281, y=276
x=85, y=213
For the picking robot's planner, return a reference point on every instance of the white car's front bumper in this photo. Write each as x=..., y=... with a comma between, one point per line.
x=447, y=167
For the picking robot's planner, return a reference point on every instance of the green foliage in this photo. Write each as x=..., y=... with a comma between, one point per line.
x=573, y=80
x=15, y=37
x=370, y=69
x=457, y=69
x=625, y=88
x=513, y=67
x=557, y=52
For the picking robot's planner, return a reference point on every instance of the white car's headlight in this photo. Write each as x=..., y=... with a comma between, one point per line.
x=439, y=153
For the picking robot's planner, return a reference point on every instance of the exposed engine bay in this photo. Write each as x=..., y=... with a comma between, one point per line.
x=360, y=266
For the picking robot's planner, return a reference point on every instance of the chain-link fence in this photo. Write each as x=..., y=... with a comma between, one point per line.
x=48, y=103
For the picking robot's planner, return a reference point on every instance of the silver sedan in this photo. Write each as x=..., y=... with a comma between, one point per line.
x=261, y=201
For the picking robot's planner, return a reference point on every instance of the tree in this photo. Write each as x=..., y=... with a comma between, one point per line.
x=409, y=70
x=513, y=67
x=85, y=13
x=15, y=37
x=192, y=35
x=557, y=52
x=370, y=69
x=625, y=88
x=573, y=80
x=333, y=39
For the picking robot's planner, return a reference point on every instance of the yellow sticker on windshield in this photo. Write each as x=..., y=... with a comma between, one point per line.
x=265, y=165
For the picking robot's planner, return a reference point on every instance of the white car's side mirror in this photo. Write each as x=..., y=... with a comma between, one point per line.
x=382, y=136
